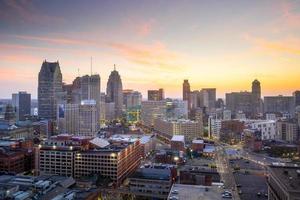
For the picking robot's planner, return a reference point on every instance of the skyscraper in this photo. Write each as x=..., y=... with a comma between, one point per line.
x=186, y=89
x=22, y=103
x=88, y=118
x=208, y=99
x=49, y=89
x=256, y=96
x=156, y=95
x=296, y=95
x=90, y=87
x=114, y=92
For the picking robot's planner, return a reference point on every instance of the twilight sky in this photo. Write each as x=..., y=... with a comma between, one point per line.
x=154, y=43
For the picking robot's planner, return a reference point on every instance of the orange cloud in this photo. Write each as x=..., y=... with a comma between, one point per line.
x=154, y=55
x=287, y=45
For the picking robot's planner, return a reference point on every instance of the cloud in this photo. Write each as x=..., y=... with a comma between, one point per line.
x=155, y=55
x=24, y=11
x=57, y=40
x=289, y=14
x=287, y=45
x=139, y=27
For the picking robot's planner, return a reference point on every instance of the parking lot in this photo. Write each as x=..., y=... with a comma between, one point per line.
x=250, y=180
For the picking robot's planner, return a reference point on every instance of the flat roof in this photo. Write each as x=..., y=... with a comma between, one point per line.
x=195, y=192
x=289, y=176
x=178, y=138
x=152, y=174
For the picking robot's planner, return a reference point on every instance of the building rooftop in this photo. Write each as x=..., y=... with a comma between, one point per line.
x=152, y=174
x=194, y=192
x=289, y=176
x=178, y=138
x=198, y=141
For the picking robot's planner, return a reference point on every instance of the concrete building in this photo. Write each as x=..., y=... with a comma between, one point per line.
x=22, y=103
x=113, y=159
x=266, y=127
x=194, y=192
x=186, y=89
x=208, y=99
x=239, y=101
x=132, y=99
x=279, y=104
x=114, y=92
x=151, y=182
x=151, y=110
x=90, y=87
x=169, y=127
x=176, y=108
x=256, y=98
x=287, y=130
x=214, y=126
x=88, y=118
x=72, y=118
x=49, y=90
x=178, y=143
x=249, y=103
x=296, y=95
x=79, y=157
x=195, y=99
x=156, y=95
x=109, y=111
x=283, y=183
x=227, y=115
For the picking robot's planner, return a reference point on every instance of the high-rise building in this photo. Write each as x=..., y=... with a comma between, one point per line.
x=9, y=114
x=208, y=99
x=88, y=118
x=156, y=95
x=256, y=97
x=22, y=103
x=186, y=89
x=49, y=90
x=194, y=100
x=296, y=95
x=72, y=118
x=279, y=104
x=151, y=110
x=239, y=102
x=132, y=99
x=114, y=92
x=90, y=87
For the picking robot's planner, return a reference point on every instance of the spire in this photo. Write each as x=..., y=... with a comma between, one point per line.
x=114, y=67
x=91, y=65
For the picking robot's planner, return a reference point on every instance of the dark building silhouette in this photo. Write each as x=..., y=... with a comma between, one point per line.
x=186, y=90
x=114, y=92
x=156, y=95
x=49, y=90
x=22, y=103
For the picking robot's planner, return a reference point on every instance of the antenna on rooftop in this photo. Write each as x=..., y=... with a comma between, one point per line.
x=91, y=65
x=114, y=67
x=78, y=72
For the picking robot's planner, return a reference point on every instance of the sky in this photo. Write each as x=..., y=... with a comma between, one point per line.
x=154, y=44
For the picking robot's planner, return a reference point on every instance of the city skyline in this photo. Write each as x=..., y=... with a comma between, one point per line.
x=213, y=44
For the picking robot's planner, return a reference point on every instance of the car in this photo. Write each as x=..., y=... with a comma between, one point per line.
x=227, y=196
x=266, y=194
x=258, y=194
x=238, y=185
x=240, y=192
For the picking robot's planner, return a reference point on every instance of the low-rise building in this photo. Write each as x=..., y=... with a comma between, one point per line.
x=178, y=143
x=151, y=182
x=194, y=192
x=195, y=175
